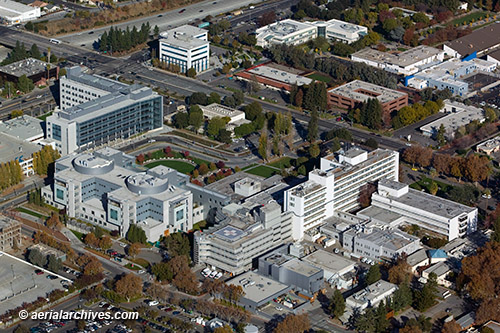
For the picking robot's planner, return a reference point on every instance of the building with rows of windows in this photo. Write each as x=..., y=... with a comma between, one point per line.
x=96, y=110
x=337, y=185
x=106, y=189
x=185, y=46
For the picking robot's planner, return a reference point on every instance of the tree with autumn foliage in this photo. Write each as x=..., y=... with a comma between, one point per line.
x=400, y=272
x=451, y=327
x=91, y=240
x=53, y=222
x=293, y=323
x=134, y=249
x=418, y=155
x=480, y=280
x=183, y=277
x=105, y=243
x=129, y=286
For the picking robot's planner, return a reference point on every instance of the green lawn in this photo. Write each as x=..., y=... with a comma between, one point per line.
x=78, y=234
x=134, y=268
x=468, y=18
x=30, y=212
x=44, y=116
x=320, y=77
x=263, y=171
x=425, y=183
x=176, y=165
x=283, y=162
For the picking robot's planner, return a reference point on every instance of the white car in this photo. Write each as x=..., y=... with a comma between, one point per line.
x=213, y=274
x=122, y=244
x=218, y=276
x=279, y=308
x=153, y=303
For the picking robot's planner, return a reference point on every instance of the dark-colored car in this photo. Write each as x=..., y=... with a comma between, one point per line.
x=182, y=11
x=38, y=272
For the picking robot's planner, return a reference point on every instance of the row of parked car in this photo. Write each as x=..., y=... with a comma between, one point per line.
x=208, y=273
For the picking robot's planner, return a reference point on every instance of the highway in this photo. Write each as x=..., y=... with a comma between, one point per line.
x=164, y=21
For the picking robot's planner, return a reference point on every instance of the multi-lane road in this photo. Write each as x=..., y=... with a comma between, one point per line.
x=164, y=20
x=131, y=68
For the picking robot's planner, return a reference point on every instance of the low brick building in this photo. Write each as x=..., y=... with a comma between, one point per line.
x=36, y=70
x=351, y=94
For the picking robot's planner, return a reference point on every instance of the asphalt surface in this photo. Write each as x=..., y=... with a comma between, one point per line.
x=131, y=68
x=164, y=21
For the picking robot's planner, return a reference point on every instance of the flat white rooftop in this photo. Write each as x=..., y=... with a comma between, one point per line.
x=455, y=120
x=258, y=287
x=403, y=59
x=24, y=127
x=280, y=75
x=13, y=9
x=330, y=262
x=185, y=37
x=363, y=91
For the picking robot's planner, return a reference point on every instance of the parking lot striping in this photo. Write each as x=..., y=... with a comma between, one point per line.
x=37, y=267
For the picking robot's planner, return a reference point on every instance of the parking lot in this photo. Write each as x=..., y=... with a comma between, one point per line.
x=20, y=284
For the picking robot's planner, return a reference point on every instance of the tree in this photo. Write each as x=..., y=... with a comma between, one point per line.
x=24, y=84
x=195, y=118
x=253, y=110
x=162, y=271
x=54, y=264
x=197, y=98
x=43, y=159
x=53, y=222
x=203, y=169
x=337, y=304
x=93, y=267
x=129, y=286
x=312, y=127
x=451, y=327
x=335, y=145
x=371, y=114
x=373, y=274
x=213, y=98
x=183, y=277
x=91, y=240
x=105, y=243
x=35, y=52
x=440, y=135
x=373, y=320
x=37, y=258
x=480, y=280
x=215, y=125
x=177, y=244
x=181, y=120
x=263, y=145
x=299, y=98
x=136, y=234
x=191, y=72
x=402, y=297
x=16, y=113
x=223, y=329
x=224, y=136
x=134, y=249
x=425, y=297
x=314, y=150
x=433, y=188
x=372, y=143
x=156, y=31
x=400, y=272
x=293, y=323
x=491, y=115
